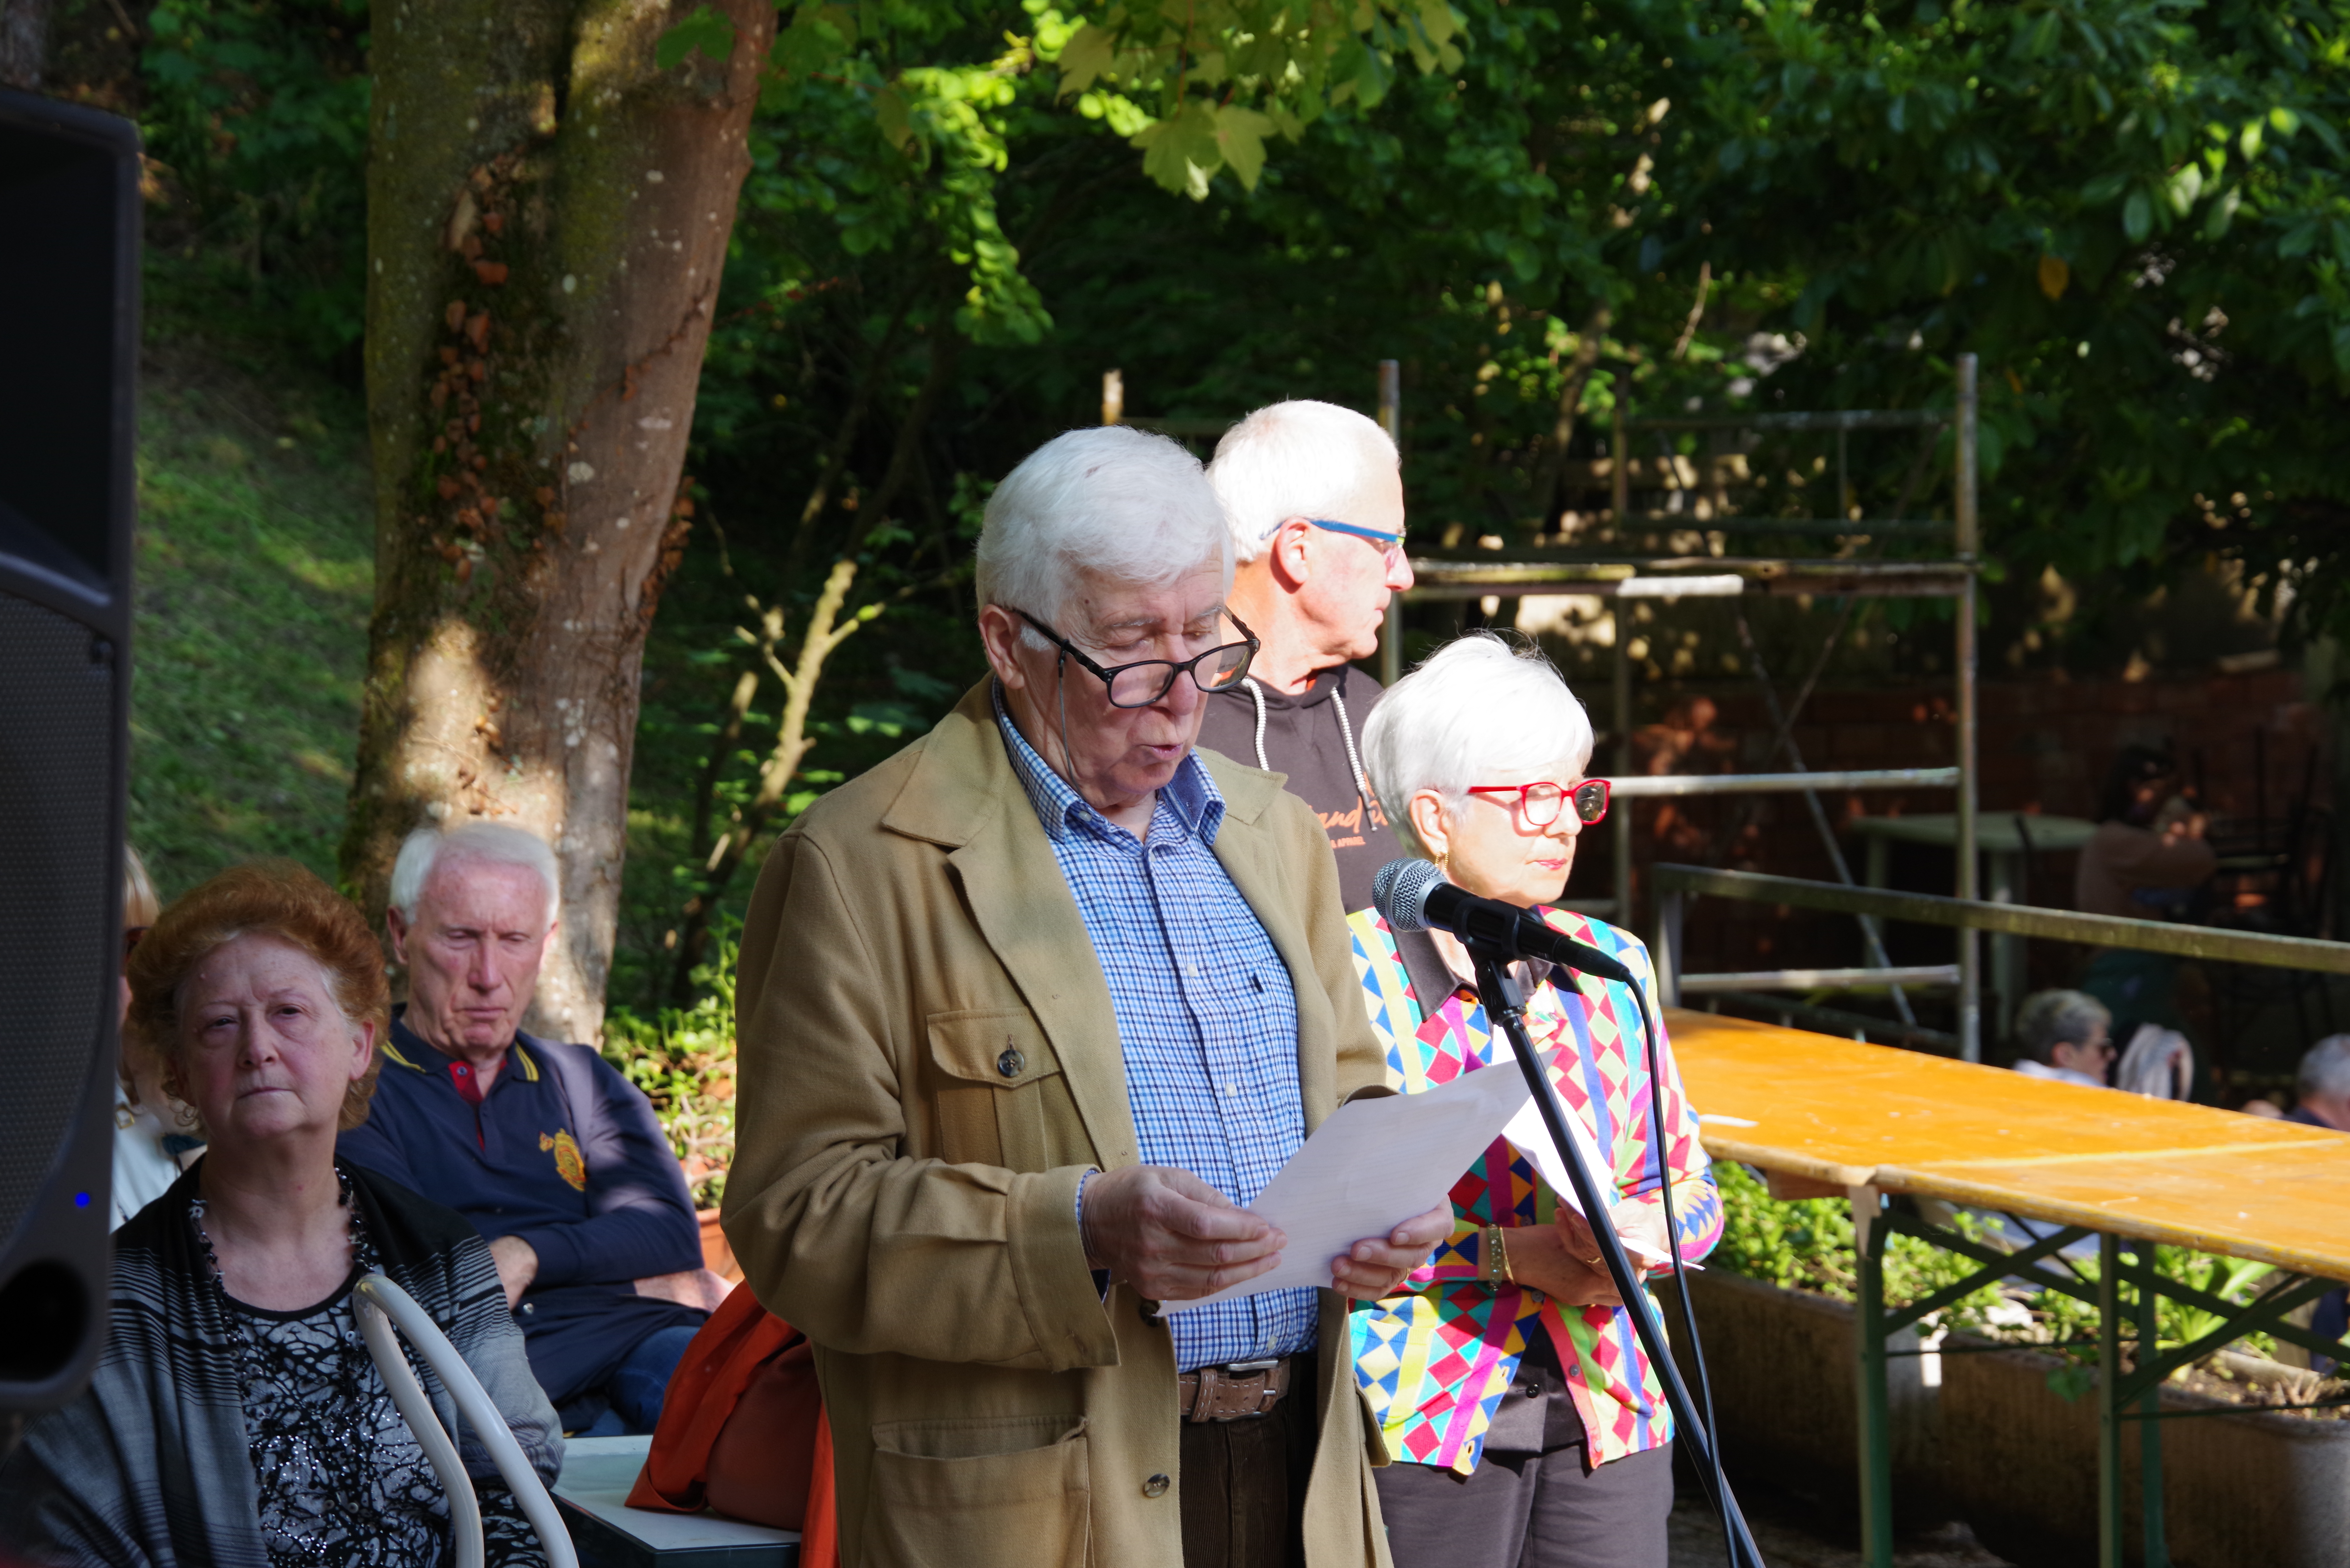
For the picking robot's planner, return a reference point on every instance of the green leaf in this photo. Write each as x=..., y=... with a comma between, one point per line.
x=1240, y=137
x=2184, y=187
x=707, y=30
x=1085, y=57
x=2138, y=217
x=891, y=116
x=2223, y=213
x=820, y=38
x=1179, y=153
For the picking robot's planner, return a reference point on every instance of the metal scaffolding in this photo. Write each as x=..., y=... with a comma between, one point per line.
x=1670, y=579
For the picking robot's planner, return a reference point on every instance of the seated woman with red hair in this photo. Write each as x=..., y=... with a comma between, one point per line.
x=236, y=1417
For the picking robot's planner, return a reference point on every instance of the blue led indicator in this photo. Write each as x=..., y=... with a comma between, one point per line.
x=81, y=1200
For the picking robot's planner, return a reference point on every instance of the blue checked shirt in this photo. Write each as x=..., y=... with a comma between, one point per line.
x=1207, y=1020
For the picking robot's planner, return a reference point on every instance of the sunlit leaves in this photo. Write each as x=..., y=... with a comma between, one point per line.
x=1212, y=79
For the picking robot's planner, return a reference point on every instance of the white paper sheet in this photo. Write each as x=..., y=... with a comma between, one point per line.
x=1533, y=1140
x=1373, y=1165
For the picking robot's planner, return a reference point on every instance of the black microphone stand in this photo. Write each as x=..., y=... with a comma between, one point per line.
x=1505, y=1006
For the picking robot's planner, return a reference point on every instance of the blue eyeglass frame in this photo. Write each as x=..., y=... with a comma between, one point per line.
x=1389, y=540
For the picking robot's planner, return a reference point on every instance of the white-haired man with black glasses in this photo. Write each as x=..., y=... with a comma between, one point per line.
x=1029, y=1013
x=1314, y=498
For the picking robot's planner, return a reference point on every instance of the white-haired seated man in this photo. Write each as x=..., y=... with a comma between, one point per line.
x=555, y=1158
x=1029, y=1013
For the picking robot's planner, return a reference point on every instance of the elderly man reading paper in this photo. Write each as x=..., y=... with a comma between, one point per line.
x=1028, y=1013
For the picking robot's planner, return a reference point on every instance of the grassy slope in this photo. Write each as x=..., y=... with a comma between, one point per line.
x=255, y=565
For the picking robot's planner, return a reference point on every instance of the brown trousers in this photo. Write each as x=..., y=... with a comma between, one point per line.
x=1244, y=1482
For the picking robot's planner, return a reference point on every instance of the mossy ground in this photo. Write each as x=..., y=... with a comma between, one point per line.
x=255, y=566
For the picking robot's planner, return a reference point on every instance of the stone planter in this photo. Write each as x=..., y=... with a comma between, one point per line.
x=2240, y=1491
x=1784, y=1368
x=716, y=1255
x=1995, y=1445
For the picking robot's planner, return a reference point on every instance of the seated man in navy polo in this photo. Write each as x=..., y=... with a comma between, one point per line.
x=556, y=1159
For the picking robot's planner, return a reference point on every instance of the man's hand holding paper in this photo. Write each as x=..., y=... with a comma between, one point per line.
x=1373, y=1158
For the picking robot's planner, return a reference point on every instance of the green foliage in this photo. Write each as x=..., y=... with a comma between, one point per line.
x=2136, y=214
x=1808, y=1245
x=706, y=30
x=683, y=1060
x=1260, y=66
x=257, y=112
x=254, y=569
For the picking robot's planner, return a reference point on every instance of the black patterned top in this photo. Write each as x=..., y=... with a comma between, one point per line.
x=343, y=1482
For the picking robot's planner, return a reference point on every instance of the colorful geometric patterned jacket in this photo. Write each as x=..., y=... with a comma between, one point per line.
x=1435, y=1359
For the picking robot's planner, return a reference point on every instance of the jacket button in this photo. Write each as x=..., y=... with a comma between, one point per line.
x=1011, y=1063
x=1156, y=1486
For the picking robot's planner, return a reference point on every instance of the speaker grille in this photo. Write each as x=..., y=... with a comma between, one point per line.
x=57, y=873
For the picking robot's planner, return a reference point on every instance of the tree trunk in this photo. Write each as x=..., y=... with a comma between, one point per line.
x=23, y=42
x=547, y=215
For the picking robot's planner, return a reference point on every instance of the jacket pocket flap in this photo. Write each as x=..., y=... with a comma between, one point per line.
x=1004, y=1048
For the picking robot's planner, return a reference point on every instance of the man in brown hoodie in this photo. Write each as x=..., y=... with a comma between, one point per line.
x=1315, y=498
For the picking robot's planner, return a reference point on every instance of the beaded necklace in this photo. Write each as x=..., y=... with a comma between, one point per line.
x=311, y=1396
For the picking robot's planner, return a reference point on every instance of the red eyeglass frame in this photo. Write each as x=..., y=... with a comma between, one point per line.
x=1567, y=798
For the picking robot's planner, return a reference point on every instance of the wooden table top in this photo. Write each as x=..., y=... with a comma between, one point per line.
x=1852, y=1114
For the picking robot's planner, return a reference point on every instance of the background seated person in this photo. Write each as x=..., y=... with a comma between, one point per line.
x=236, y=1415
x=2146, y=861
x=154, y=1137
x=2322, y=1088
x=556, y=1159
x=2066, y=1037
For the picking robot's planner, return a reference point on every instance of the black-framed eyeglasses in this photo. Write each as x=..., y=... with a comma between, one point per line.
x=1542, y=801
x=1145, y=682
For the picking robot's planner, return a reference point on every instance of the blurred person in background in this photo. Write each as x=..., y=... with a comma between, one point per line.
x=2067, y=1037
x=1314, y=497
x=155, y=1135
x=2321, y=1088
x=557, y=1160
x=1527, y=1426
x=2144, y=862
x=237, y=1416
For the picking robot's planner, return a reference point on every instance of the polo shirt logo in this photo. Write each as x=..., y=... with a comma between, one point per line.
x=568, y=1161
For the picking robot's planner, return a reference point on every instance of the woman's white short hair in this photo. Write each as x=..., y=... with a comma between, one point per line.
x=487, y=843
x=1109, y=502
x=1298, y=459
x=1474, y=708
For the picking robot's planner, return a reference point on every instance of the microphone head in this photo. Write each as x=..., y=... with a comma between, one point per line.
x=1400, y=891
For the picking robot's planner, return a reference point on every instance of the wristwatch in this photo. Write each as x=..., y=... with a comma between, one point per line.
x=1493, y=1257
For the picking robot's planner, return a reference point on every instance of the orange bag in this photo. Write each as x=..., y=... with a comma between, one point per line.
x=743, y=1432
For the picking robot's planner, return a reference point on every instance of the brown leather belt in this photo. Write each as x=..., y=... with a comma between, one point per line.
x=1239, y=1392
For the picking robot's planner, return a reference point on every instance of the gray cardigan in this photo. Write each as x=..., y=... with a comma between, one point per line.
x=150, y=1467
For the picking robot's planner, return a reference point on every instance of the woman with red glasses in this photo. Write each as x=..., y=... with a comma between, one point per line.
x=1527, y=1424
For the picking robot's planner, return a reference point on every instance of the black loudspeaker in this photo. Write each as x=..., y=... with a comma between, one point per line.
x=68, y=360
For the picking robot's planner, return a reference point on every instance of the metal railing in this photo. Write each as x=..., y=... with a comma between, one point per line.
x=1674, y=884
x=1656, y=786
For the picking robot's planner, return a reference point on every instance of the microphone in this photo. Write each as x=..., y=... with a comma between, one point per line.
x=1413, y=895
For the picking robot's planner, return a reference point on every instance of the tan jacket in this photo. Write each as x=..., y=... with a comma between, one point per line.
x=928, y=1063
